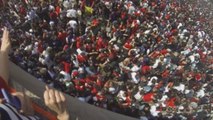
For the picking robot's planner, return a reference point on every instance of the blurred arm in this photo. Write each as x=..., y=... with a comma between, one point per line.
x=4, y=59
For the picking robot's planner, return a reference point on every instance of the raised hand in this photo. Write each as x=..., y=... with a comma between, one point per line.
x=5, y=45
x=55, y=100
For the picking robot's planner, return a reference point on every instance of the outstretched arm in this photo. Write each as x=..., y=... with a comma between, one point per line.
x=4, y=60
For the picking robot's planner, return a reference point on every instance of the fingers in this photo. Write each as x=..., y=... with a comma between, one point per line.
x=54, y=99
x=46, y=97
x=53, y=95
x=6, y=32
x=47, y=88
x=62, y=97
x=5, y=46
x=57, y=96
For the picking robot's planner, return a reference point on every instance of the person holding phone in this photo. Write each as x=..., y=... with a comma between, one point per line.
x=16, y=105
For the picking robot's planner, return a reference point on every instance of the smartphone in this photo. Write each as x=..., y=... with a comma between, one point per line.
x=10, y=99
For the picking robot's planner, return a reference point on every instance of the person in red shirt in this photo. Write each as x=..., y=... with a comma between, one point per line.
x=67, y=66
x=171, y=102
x=145, y=69
x=62, y=35
x=148, y=97
x=81, y=58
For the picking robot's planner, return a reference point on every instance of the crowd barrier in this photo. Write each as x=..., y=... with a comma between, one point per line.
x=78, y=110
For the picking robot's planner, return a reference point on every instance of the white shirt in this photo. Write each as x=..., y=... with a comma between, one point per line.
x=71, y=13
x=67, y=76
x=164, y=98
x=135, y=68
x=185, y=52
x=181, y=87
x=66, y=4
x=45, y=60
x=134, y=77
x=192, y=58
x=138, y=96
x=153, y=110
x=201, y=93
x=72, y=23
x=156, y=63
x=121, y=95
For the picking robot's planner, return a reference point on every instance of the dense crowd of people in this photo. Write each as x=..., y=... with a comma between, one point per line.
x=149, y=59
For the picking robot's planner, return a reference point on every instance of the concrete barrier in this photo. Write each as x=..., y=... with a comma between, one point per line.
x=78, y=109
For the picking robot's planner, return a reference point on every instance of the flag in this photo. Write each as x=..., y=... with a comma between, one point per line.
x=88, y=10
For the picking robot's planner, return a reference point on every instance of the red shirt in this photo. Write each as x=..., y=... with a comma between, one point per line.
x=100, y=97
x=100, y=43
x=128, y=46
x=89, y=47
x=53, y=15
x=95, y=22
x=99, y=83
x=94, y=91
x=154, y=54
x=62, y=36
x=198, y=76
x=79, y=88
x=123, y=15
x=3, y=85
x=58, y=10
x=81, y=58
x=40, y=47
x=148, y=97
x=22, y=11
x=78, y=42
x=164, y=51
x=128, y=100
x=102, y=57
x=165, y=74
x=66, y=67
x=171, y=102
x=167, y=17
x=65, y=47
x=143, y=10
x=145, y=69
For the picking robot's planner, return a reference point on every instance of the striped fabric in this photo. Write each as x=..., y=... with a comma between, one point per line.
x=8, y=112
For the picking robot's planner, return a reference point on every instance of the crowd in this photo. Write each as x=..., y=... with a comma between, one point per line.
x=149, y=59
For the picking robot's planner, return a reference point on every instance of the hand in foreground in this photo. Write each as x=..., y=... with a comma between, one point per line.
x=55, y=100
x=5, y=45
x=26, y=104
